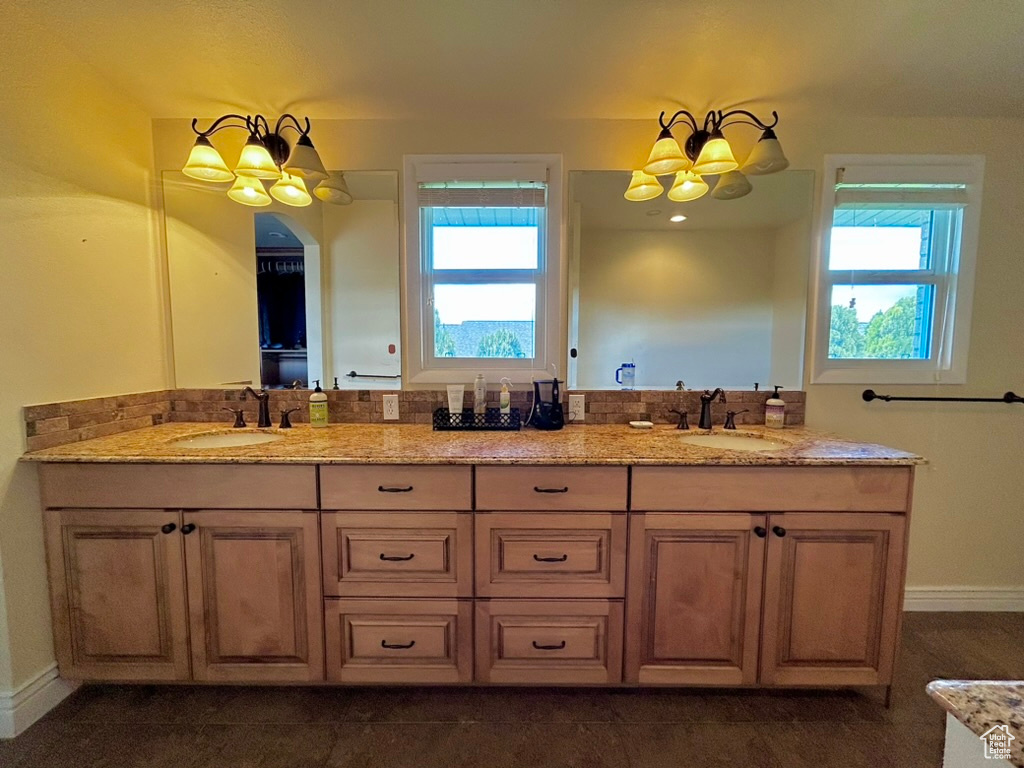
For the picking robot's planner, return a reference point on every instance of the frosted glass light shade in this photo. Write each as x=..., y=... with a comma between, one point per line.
x=334, y=190
x=291, y=190
x=643, y=186
x=766, y=156
x=666, y=156
x=256, y=162
x=249, y=191
x=304, y=161
x=715, y=157
x=687, y=186
x=205, y=163
x=731, y=185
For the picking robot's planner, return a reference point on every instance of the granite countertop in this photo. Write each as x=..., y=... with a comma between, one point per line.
x=419, y=444
x=982, y=704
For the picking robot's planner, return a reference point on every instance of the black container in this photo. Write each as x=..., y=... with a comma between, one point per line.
x=492, y=420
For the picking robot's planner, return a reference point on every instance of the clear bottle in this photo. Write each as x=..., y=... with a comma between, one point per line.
x=479, y=394
x=318, y=416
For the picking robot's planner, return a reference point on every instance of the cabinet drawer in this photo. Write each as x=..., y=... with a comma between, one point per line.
x=165, y=486
x=552, y=555
x=771, y=489
x=551, y=488
x=570, y=641
x=399, y=641
x=418, y=554
x=398, y=487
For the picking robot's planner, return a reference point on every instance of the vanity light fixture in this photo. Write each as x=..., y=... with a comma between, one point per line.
x=266, y=156
x=706, y=152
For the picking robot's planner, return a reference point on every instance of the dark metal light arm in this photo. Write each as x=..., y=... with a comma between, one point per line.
x=282, y=124
x=690, y=119
x=721, y=117
x=219, y=124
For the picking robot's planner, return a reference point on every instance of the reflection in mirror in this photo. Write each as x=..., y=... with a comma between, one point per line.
x=282, y=294
x=708, y=292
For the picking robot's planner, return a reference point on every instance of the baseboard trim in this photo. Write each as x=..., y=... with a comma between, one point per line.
x=29, y=702
x=963, y=599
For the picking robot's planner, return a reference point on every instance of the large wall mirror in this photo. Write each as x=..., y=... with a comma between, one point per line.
x=282, y=296
x=717, y=298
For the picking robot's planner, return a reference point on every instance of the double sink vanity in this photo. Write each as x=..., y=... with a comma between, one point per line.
x=393, y=554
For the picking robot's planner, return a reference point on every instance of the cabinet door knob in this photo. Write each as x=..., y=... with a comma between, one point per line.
x=760, y=532
x=168, y=528
x=187, y=528
x=396, y=558
x=393, y=489
x=397, y=646
x=560, y=559
x=538, y=489
x=558, y=647
x=779, y=531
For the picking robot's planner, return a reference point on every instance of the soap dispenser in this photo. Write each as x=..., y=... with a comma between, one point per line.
x=318, y=407
x=775, y=410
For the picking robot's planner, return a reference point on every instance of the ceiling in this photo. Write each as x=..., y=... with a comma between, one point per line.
x=567, y=59
x=775, y=200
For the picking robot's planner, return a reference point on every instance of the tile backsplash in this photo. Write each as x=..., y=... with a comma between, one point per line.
x=67, y=422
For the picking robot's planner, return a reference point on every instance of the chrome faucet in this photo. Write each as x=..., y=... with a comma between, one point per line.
x=705, y=406
x=263, y=398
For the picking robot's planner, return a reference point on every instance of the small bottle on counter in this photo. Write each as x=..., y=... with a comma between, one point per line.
x=318, y=416
x=775, y=410
x=480, y=394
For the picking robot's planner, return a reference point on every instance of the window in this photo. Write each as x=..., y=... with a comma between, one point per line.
x=482, y=246
x=896, y=271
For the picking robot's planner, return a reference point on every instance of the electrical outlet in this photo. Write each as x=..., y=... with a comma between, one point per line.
x=390, y=407
x=577, y=409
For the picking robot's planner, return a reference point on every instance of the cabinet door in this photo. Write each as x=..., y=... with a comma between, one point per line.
x=117, y=587
x=254, y=596
x=833, y=596
x=694, y=599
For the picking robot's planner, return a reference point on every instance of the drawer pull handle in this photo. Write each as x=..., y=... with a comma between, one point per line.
x=397, y=646
x=393, y=489
x=168, y=528
x=558, y=647
x=396, y=558
x=538, y=489
x=540, y=559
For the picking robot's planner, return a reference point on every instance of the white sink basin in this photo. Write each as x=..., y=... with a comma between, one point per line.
x=226, y=440
x=735, y=442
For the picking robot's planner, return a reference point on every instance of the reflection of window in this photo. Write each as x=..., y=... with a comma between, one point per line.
x=896, y=272
x=483, y=260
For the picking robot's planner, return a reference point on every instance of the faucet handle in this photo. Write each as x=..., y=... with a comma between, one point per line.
x=286, y=423
x=730, y=418
x=684, y=422
x=239, y=417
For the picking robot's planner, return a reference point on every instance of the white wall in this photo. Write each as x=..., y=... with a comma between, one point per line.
x=695, y=306
x=362, y=243
x=81, y=300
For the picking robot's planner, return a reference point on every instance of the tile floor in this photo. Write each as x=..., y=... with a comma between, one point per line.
x=119, y=726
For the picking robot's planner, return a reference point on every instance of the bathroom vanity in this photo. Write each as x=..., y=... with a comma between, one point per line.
x=394, y=554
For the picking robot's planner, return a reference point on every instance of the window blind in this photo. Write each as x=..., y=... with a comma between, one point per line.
x=466, y=195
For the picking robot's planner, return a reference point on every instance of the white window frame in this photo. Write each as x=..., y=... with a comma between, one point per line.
x=422, y=369
x=953, y=281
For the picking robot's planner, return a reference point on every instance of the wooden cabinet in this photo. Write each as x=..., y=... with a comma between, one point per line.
x=399, y=641
x=833, y=598
x=550, y=555
x=397, y=554
x=117, y=587
x=694, y=598
x=254, y=596
x=826, y=611
x=548, y=641
x=552, y=489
